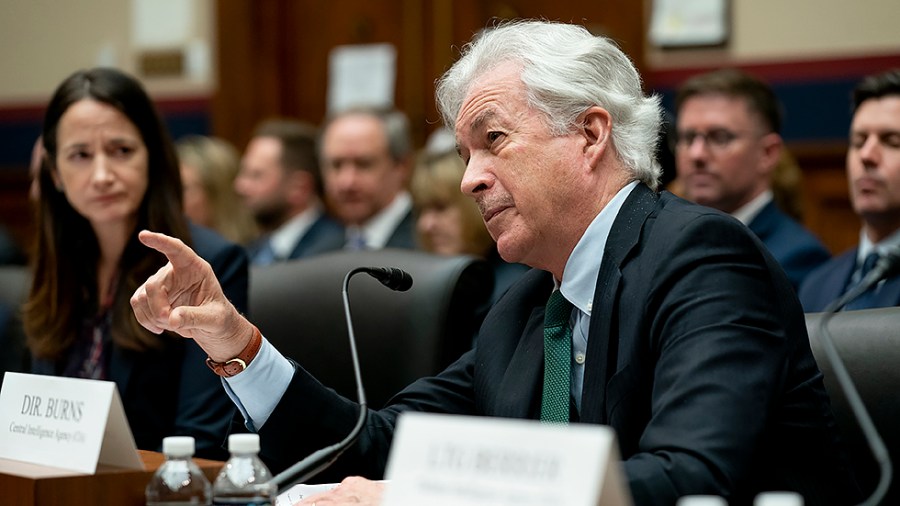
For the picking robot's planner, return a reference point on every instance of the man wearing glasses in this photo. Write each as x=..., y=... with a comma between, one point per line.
x=727, y=146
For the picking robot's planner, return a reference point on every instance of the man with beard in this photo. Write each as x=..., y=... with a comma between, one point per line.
x=279, y=182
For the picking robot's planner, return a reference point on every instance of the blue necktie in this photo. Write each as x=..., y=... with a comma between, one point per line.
x=557, y=360
x=866, y=299
x=356, y=241
x=265, y=255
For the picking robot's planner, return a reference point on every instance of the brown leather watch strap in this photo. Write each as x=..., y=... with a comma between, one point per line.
x=237, y=364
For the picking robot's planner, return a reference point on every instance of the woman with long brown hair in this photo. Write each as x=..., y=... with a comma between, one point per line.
x=111, y=171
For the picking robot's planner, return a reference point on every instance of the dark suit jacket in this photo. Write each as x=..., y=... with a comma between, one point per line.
x=698, y=357
x=324, y=235
x=404, y=235
x=830, y=281
x=795, y=248
x=171, y=391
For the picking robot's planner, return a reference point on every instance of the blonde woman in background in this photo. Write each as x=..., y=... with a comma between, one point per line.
x=449, y=222
x=208, y=168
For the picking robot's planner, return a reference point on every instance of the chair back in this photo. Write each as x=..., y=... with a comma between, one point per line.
x=14, y=283
x=400, y=336
x=868, y=343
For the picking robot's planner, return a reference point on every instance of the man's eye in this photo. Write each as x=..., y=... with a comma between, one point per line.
x=891, y=140
x=720, y=137
x=493, y=136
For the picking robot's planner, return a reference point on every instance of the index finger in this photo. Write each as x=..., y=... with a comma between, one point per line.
x=177, y=252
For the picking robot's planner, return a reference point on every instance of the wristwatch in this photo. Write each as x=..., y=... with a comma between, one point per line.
x=237, y=364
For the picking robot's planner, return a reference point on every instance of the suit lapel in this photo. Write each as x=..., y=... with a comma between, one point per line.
x=764, y=222
x=518, y=387
x=834, y=285
x=889, y=293
x=602, y=351
x=521, y=384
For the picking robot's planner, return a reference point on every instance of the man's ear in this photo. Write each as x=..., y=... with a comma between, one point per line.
x=596, y=128
x=771, y=146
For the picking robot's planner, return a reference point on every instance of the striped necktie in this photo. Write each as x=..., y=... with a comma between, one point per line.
x=866, y=299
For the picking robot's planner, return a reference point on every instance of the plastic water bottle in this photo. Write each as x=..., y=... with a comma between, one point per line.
x=778, y=499
x=178, y=481
x=244, y=480
x=701, y=500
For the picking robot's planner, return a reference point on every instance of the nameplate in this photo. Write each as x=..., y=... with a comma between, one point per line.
x=456, y=460
x=67, y=423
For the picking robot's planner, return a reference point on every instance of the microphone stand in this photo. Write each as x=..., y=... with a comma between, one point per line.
x=883, y=268
x=319, y=460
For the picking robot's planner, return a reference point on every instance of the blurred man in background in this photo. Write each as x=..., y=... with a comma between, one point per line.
x=279, y=182
x=366, y=164
x=727, y=146
x=873, y=175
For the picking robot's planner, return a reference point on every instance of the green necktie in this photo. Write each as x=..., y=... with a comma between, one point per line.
x=557, y=360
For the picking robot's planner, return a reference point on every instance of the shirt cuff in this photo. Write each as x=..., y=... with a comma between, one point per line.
x=258, y=388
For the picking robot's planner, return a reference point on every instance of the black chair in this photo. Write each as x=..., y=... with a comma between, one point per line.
x=869, y=345
x=401, y=336
x=14, y=283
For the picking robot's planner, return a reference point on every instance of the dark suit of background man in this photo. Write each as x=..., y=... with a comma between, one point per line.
x=366, y=165
x=279, y=182
x=726, y=150
x=873, y=175
x=692, y=344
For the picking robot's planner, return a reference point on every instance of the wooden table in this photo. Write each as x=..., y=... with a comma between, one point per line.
x=30, y=484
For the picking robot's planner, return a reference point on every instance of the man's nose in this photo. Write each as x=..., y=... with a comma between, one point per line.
x=870, y=151
x=477, y=177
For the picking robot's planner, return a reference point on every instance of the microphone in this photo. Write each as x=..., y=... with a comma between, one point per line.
x=395, y=279
x=391, y=277
x=888, y=265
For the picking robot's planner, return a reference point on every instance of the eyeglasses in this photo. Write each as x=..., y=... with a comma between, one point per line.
x=715, y=139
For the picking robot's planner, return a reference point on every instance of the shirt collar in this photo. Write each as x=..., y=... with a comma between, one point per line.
x=583, y=266
x=750, y=210
x=378, y=230
x=285, y=238
x=866, y=245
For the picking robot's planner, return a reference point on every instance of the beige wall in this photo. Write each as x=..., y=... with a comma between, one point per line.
x=773, y=30
x=43, y=41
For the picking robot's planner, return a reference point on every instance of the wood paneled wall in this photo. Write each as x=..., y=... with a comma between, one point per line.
x=273, y=54
x=825, y=193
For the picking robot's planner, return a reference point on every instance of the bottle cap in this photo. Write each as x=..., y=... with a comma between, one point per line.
x=778, y=499
x=178, y=446
x=701, y=500
x=243, y=443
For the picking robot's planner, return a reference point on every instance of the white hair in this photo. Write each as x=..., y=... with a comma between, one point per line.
x=565, y=70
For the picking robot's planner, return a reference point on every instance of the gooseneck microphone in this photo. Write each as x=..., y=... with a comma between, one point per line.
x=888, y=265
x=318, y=461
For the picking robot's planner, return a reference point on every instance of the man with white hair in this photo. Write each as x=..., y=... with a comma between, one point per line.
x=667, y=321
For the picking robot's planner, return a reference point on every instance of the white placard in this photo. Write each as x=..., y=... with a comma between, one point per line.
x=689, y=22
x=361, y=75
x=161, y=23
x=68, y=423
x=454, y=460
